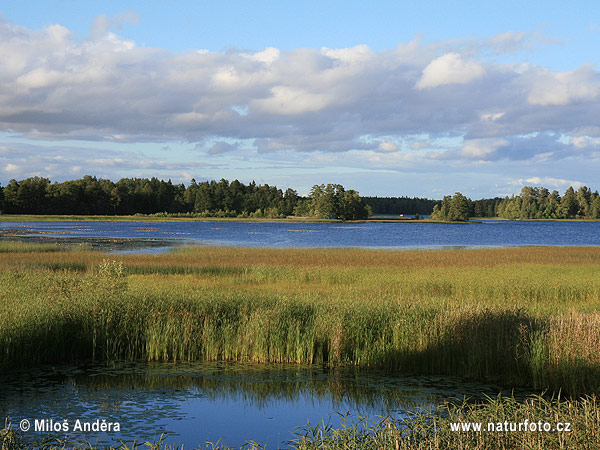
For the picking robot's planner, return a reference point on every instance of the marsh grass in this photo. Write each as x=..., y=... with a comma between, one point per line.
x=521, y=316
x=25, y=247
x=429, y=430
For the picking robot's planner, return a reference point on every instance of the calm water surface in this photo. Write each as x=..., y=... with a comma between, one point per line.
x=199, y=402
x=278, y=234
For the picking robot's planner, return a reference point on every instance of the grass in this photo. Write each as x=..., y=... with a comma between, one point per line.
x=518, y=316
x=522, y=316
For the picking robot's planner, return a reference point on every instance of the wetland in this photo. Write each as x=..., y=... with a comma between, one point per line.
x=267, y=340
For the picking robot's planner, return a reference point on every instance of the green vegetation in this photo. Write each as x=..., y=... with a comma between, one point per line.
x=128, y=196
x=523, y=317
x=400, y=205
x=333, y=202
x=539, y=203
x=520, y=316
x=90, y=196
x=453, y=209
x=433, y=430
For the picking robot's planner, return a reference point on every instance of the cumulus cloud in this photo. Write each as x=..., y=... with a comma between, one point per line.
x=53, y=87
x=450, y=68
x=562, y=88
x=11, y=168
x=482, y=149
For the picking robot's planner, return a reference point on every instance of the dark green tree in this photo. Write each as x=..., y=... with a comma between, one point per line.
x=568, y=204
x=453, y=209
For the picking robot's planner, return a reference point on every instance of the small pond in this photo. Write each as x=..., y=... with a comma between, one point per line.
x=192, y=403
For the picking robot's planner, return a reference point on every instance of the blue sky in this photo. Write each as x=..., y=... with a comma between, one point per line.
x=390, y=98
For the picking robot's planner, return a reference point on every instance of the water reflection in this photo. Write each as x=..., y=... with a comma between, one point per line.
x=198, y=402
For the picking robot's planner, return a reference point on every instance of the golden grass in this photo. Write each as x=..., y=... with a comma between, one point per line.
x=522, y=316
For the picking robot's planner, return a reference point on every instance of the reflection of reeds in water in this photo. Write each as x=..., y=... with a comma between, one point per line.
x=522, y=316
x=262, y=384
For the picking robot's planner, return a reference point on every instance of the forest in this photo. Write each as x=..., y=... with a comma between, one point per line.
x=128, y=196
x=540, y=203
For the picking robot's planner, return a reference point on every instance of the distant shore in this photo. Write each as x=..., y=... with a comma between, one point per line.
x=176, y=218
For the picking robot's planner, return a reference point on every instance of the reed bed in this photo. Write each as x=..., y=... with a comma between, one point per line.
x=519, y=316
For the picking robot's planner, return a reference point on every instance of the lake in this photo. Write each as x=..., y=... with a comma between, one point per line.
x=113, y=235
x=195, y=403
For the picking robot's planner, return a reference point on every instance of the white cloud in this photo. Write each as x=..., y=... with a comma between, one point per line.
x=267, y=56
x=582, y=142
x=11, y=168
x=387, y=146
x=551, y=182
x=482, y=149
x=286, y=100
x=450, y=68
x=492, y=116
x=562, y=88
x=55, y=88
x=353, y=55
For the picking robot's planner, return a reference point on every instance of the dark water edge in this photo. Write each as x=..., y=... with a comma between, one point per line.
x=111, y=245
x=192, y=403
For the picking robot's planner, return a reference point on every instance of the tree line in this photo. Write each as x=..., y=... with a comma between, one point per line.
x=92, y=196
x=531, y=203
x=401, y=205
x=540, y=203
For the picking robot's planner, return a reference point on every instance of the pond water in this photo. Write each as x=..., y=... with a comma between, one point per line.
x=199, y=402
x=161, y=235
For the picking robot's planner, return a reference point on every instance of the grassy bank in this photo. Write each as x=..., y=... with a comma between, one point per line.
x=520, y=316
x=435, y=430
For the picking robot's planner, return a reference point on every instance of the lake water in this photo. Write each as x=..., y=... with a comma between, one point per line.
x=195, y=403
x=285, y=234
x=199, y=402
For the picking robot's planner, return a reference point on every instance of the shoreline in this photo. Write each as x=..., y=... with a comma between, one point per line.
x=152, y=218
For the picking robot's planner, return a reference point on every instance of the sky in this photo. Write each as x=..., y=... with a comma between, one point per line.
x=389, y=98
